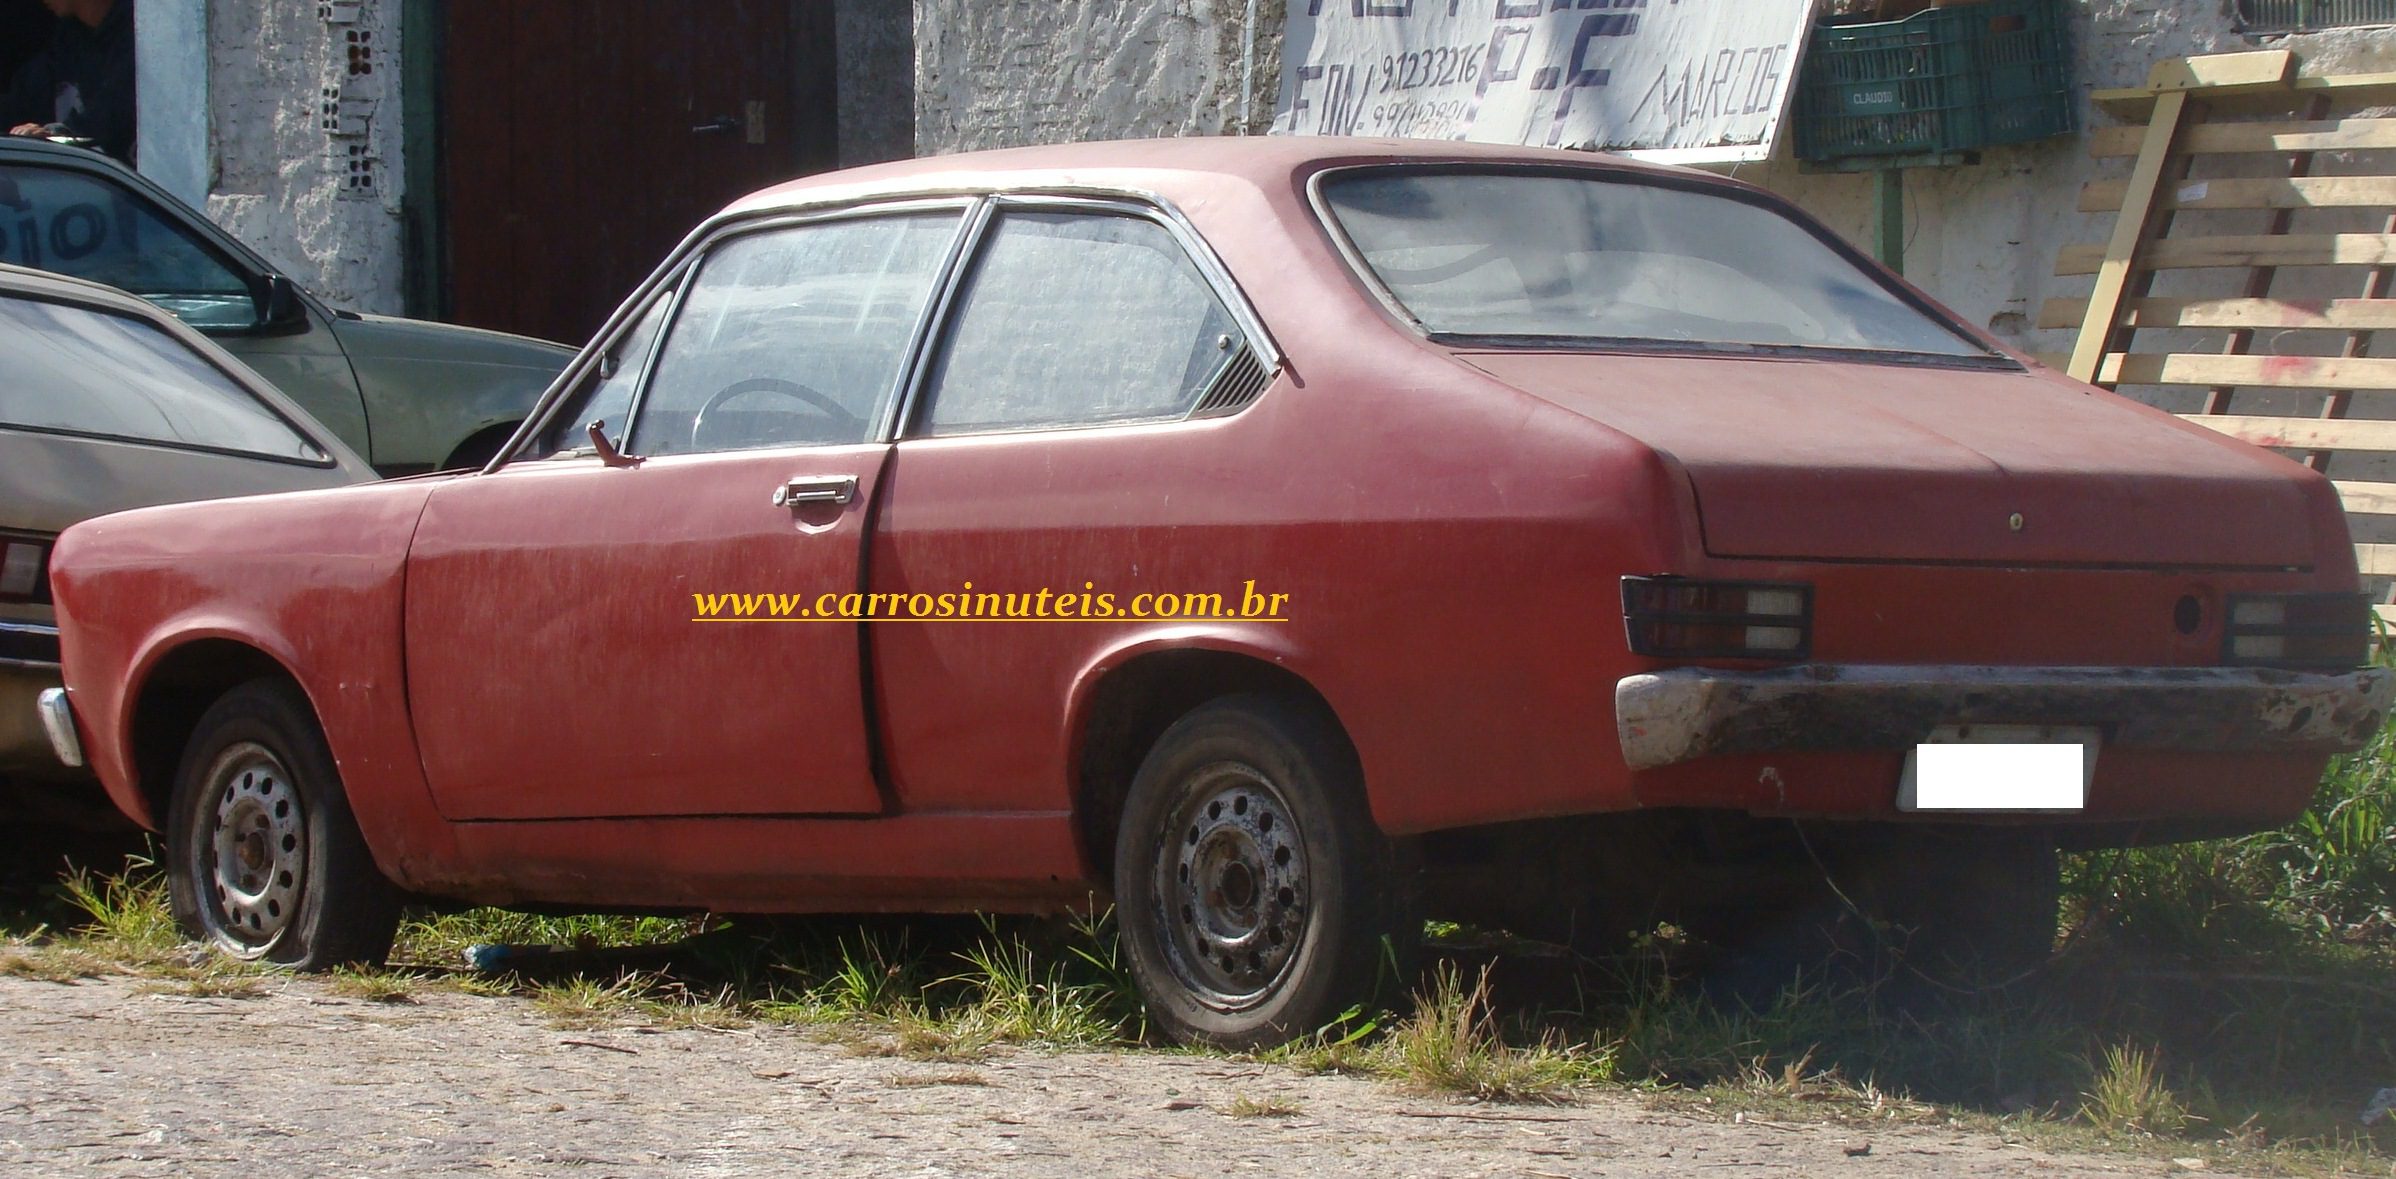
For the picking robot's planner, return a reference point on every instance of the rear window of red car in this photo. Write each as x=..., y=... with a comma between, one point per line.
x=1540, y=259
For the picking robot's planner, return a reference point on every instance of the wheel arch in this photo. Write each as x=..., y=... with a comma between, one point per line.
x=175, y=687
x=1124, y=703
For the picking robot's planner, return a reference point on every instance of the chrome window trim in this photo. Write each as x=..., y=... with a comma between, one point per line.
x=1106, y=203
x=730, y=231
x=1364, y=273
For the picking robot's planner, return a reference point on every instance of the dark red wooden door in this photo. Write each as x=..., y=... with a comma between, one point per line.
x=573, y=155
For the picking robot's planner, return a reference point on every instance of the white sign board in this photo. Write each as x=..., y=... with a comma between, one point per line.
x=1682, y=81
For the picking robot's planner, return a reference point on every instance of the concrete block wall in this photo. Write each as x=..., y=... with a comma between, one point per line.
x=304, y=117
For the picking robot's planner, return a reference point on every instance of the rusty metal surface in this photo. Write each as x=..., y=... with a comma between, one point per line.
x=1674, y=716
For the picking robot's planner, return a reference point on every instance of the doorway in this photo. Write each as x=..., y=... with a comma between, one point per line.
x=579, y=140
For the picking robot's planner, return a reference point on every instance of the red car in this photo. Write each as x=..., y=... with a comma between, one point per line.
x=1286, y=537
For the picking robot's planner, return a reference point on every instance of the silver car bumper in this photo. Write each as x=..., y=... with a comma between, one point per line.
x=1668, y=717
x=58, y=720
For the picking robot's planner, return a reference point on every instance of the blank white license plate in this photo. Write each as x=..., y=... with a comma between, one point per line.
x=2000, y=768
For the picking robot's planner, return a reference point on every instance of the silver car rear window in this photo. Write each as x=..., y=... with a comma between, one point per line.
x=66, y=369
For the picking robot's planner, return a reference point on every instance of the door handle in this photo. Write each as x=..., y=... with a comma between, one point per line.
x=718, y=125
x=816, y=489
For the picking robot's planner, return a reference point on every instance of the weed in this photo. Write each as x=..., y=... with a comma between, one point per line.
x=128, y=909
x=965, y=1077
x=1269, y=1106
x=2126, y=1095
x=582, y=1003
x=376, y=986
x=1451, y=1045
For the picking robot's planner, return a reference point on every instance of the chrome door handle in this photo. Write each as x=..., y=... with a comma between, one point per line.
x=816, y=489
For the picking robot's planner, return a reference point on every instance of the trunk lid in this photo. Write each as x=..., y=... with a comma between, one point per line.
x=1806, y=459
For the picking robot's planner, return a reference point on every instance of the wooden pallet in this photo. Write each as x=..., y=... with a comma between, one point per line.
x=2199, y=114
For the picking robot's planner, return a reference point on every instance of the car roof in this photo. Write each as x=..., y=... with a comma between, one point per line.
x=1174, y=169
x=19, y=282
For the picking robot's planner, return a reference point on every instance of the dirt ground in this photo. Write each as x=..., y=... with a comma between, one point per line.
x=116, y=1077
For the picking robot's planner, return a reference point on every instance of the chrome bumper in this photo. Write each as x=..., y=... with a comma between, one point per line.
x=1668, y=717
x=58, y=720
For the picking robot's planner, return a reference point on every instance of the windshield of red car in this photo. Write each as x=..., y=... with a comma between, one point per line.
x=1536, y=259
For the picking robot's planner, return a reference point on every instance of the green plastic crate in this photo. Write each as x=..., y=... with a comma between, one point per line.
x=1945, y=80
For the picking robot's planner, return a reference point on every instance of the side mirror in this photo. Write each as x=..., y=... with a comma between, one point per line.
x=280, y=308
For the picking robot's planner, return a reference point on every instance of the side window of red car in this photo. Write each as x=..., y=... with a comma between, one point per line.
x=793, y=336
x=1078, y=319
x=605, y=394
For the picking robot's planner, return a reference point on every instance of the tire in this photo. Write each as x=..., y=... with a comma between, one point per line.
x=1257, y=900
x=265, y=862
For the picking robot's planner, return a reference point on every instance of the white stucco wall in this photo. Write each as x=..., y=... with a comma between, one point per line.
x=1005, y=73
x=304, y=103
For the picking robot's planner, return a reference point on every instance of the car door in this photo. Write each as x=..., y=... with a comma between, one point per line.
x=564, y=657
x=1073, y=434
x=70, y=216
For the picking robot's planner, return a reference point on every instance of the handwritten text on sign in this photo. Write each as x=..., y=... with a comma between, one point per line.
x=1689, y=80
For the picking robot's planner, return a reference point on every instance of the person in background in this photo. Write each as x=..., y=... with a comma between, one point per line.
x=81, y=85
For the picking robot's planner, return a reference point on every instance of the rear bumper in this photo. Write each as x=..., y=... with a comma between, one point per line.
x=1669, y=717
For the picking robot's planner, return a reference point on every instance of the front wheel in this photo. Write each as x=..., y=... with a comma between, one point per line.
x=1256, y=897
x=265, y=862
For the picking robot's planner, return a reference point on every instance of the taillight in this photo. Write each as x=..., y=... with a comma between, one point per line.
x=1676, y=618
x=2297, y=630
x=24, y=570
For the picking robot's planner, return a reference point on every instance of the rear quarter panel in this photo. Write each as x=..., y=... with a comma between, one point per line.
x=311, y=579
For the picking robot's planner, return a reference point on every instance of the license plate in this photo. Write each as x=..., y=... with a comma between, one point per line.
x=2000, y=768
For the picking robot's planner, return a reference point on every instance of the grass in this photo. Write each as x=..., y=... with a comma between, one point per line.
x=2227, y=1000
x=2127, y=1095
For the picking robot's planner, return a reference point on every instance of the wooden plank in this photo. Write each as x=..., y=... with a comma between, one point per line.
x=2367, y=499
x=2303, y=192
x=2223, y=71
x=2255, y=372
x=2355, y=134
x=2301, y=433
x=2114, y=265
x=2239, y=250
x=2295, y=165
x=2375, y=560
x=2341, y=315
x=2357, y=89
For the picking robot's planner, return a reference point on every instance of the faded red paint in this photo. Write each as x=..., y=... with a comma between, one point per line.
x=1451, y=527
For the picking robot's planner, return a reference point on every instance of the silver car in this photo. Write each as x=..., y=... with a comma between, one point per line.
x=108, y=403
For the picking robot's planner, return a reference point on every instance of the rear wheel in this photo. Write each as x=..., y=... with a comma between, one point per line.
x=1257, y=899
x=265, y=861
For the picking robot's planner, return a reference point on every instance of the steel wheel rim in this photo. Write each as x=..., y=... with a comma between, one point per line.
x=1233, y=888
x=254, y=854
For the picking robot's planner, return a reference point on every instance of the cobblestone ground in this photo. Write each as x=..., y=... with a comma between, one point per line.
x=115, y=1077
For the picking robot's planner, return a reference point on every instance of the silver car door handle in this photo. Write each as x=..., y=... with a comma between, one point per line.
x=816, y=489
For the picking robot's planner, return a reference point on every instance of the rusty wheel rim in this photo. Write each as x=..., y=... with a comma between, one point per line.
x=255, y=852
x=1234, y=888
